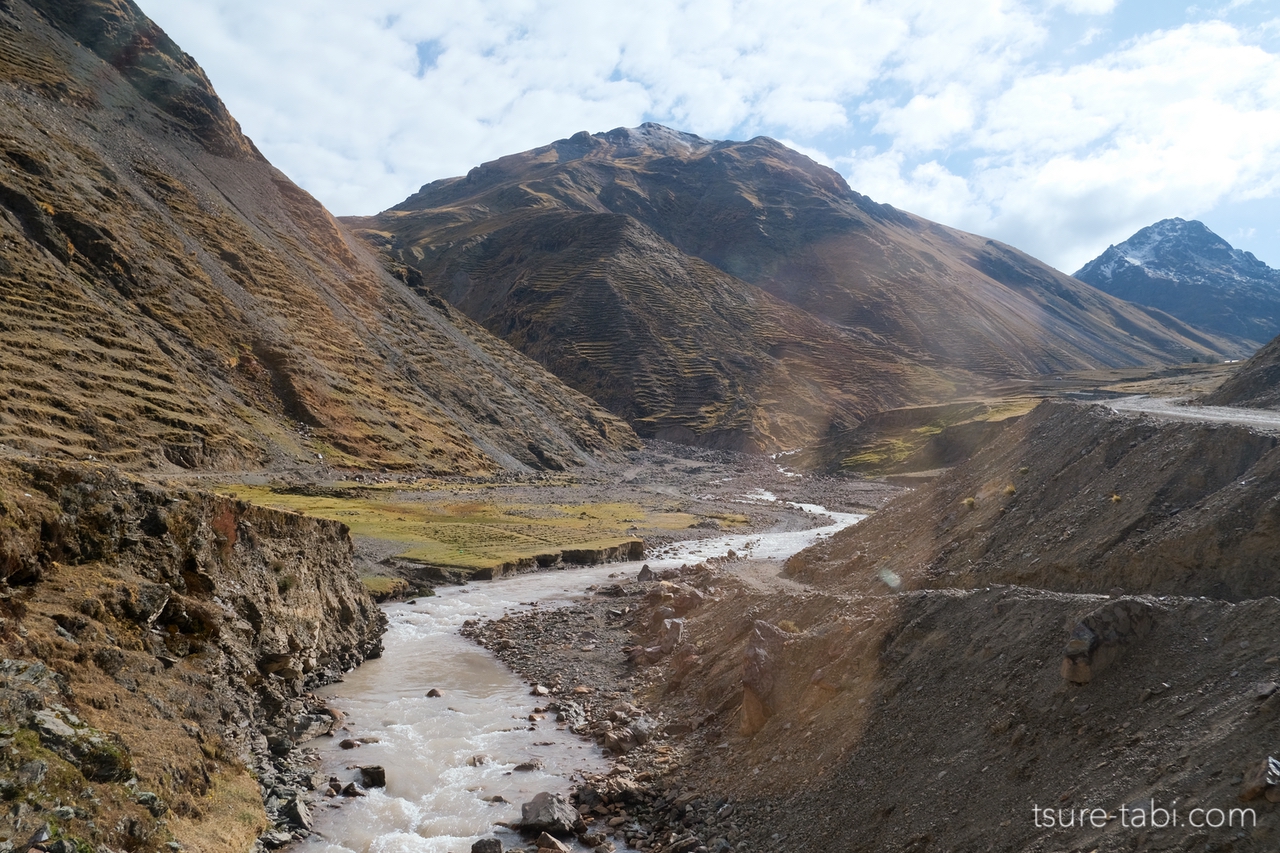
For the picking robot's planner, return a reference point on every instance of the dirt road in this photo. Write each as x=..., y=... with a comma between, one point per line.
x=1263, y=420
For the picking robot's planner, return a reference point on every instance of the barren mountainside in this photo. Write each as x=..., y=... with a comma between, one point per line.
x=916, y=311
x=167, y=297
x=1080, y=617
x=1256, y=384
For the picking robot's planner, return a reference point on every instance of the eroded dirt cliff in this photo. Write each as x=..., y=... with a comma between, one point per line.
x=157, y=647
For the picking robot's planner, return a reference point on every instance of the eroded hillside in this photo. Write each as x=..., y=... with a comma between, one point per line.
x=168, y=298
x=1256, y=384
x=1081, y=499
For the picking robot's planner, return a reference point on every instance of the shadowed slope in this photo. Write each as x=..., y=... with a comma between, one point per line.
x=168, y=297
x=677, y=347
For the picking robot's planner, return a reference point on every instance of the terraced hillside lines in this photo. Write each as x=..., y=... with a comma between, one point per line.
x=882, y=308
x=170, y=299
x=668, y=341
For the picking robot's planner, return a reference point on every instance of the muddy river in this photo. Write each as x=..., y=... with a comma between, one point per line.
x=451, y=760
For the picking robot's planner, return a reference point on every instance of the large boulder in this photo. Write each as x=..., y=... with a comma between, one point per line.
x=548, y=812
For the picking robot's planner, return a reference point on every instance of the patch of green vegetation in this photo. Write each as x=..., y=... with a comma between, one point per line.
x=383, y=588
x=469, y=533
x=729, y=517
x=882, y=454
x=889, y=448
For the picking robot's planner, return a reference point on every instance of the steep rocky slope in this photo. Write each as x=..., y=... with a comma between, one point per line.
x=152, y=641
x=913, y=308
x=1184, y=269
x=680, y=349
x=168, y=298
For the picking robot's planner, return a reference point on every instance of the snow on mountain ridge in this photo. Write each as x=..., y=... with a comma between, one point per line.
x=1181, y=267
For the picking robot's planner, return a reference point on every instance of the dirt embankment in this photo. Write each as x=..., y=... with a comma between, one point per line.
x=158, y=645
x=1079, y=499
x=904, y=700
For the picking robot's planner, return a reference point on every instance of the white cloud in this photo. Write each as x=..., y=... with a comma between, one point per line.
x=1093, y=7
x=958, y=109
x=929, y=122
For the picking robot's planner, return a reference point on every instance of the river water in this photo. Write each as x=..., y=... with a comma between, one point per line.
x=447, y=757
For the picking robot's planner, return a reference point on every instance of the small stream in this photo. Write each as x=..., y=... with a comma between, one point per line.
x=446, y=758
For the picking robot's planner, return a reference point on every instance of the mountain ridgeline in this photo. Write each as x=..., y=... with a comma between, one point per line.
x=1184, y=269
x=668, y=277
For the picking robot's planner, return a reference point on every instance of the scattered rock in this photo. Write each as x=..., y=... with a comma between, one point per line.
x=296, y=813
x=1096, y=640
x=549, y=842
x=1261, y=779
x=373, y=776
x=433, y=693
x=32, y=773
x=487, y=845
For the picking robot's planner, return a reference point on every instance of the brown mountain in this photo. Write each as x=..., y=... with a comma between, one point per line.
x=652, y=251
x=168, y=297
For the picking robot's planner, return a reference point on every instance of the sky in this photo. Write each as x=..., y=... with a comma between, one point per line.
x=1058, y=126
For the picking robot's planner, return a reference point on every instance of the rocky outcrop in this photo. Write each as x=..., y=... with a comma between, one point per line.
x=1096, y=640
x=163, y=642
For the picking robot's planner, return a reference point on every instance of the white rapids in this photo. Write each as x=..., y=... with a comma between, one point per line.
x=446, y=757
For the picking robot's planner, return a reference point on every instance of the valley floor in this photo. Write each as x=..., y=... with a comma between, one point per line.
x=878, y=696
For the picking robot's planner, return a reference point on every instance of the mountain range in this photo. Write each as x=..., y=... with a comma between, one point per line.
x=741, y=294
x=173, y=300
x=1184, y=269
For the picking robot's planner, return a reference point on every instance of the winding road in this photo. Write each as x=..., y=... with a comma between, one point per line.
x=1173, y=409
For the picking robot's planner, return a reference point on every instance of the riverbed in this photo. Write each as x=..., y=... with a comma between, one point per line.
x=459, y=763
